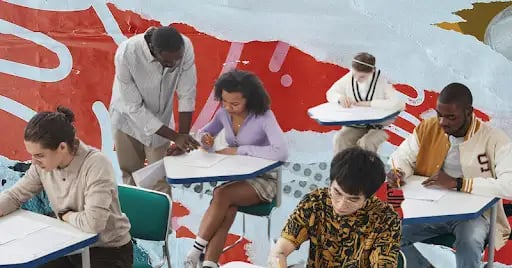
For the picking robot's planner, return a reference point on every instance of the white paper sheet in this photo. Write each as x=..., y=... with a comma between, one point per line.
x=239, y=264
x=34, y=245
x=414, y=190
x=147, y=177
x=17, y=227
x=203, y=159
x=220, y=141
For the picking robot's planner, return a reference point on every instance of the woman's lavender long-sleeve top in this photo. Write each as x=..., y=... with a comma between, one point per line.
x=258, y=136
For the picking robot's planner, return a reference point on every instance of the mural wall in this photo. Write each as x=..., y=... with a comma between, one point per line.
x=57, y=52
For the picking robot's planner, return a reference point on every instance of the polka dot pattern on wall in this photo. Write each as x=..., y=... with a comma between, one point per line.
x=304, y=179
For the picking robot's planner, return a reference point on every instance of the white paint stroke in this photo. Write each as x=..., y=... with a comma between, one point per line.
x=109, y=22
x=107, y=141
x=33, y=72
x=211, y=105
x=53, y=5
x=410, y=118
x=101, y=8
x=15, y=108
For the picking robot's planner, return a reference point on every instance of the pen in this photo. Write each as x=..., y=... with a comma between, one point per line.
x=394, y=171
x=279, y=263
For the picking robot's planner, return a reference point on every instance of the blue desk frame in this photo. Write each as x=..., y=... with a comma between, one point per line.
x=445, y=218
x=356, y=122
x=56, y=254
x=224, y=178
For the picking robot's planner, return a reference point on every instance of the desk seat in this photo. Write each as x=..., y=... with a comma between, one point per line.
x=446, y=240
x=137, y=264
x=261, y=210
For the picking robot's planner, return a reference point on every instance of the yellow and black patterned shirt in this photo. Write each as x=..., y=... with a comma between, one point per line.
x=369, y=237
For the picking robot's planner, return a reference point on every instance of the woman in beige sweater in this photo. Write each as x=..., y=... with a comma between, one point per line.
x=80, y=184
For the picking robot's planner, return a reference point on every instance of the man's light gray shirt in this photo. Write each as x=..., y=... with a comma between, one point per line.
x=143, y=91
x=452, y=164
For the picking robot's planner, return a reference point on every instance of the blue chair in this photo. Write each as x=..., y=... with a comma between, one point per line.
x=149, y=213
x=261, y=210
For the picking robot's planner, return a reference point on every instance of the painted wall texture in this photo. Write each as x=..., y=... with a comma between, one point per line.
x=57, y=52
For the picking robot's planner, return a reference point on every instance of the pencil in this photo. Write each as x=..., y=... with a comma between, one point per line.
x=394, y=171
x=279, y=263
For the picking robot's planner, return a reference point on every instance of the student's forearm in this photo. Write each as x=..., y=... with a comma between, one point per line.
x=363, y=104
x=283, y=247
x=167, y=133
x=389, y=104
x=332, y=97
x=185, y=120
x=90, y=221
x=278, y=255
x=26, y=188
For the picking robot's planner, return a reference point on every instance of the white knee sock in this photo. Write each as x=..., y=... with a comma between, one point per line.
x=195, y=252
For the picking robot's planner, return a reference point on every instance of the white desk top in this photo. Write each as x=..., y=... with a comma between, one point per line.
x=239, y=264
x=332, y=114
x=452, y=206
x=41, y=239
x=191, y=167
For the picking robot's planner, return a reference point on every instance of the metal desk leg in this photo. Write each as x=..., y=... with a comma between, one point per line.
x=86, y=258
x=492, y=230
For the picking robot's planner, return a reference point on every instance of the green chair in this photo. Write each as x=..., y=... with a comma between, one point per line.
x=402, y=262
x=261, y=210
x=149, y=213
x=446, y=240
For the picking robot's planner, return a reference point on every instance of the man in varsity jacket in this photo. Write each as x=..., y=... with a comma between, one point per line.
x=456, y=151
x=363, y=86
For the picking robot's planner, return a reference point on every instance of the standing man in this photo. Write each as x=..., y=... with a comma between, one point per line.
x=456, y=151
x=150, y=67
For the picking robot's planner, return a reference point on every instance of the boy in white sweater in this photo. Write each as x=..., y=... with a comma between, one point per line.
x=363, y=86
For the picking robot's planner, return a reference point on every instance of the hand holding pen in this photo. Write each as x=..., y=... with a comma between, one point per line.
x=395, y=176
x=207, y=140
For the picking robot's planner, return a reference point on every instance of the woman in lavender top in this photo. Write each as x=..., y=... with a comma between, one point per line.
x=251, y=129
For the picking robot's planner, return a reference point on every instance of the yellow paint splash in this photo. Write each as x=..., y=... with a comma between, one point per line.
x=476, y=19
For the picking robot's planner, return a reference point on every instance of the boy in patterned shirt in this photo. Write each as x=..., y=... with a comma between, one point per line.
x=346, y=225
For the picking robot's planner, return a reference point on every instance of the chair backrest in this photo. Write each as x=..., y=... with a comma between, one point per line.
x=402, y=261
x=148, y=211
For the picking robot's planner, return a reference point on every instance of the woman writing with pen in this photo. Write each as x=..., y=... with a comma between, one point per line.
x=80, y=184
x=251, y=129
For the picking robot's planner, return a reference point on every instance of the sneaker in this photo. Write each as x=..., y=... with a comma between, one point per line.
x=189, y=263
x=210, y=264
